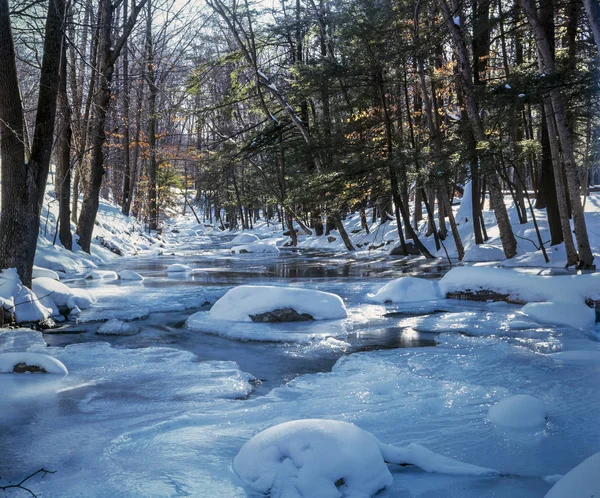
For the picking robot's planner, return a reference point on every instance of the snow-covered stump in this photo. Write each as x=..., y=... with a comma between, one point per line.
x=315, y=458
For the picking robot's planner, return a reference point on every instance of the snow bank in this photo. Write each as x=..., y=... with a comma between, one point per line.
x=117, y=327
x=483, y=252
x=17, y=298
x=245, y=238
x=257, y=247
x=51, y=365
x=569, y=314
x=178, y=268
x=581, y=482
x=130, y=275
x=522, y=287
x=518, y=412
x=406, y=290
x=241, y=302
x=313, y=459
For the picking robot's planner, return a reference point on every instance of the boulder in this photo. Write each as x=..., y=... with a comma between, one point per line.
x=281, y=315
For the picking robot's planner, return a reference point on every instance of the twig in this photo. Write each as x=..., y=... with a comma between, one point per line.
x=20, y=484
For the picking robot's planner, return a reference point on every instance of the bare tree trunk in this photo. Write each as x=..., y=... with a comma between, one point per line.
x=24, y=183
x=586, y=258
x=63, y=157
x=152, y=164
x=592, y=9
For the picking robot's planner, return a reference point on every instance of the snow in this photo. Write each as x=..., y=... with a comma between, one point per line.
x=456, y=21
x=179, y=268
x=44, y=272
x=241, y=302
x=313, y=459
x=483, y=252
x=101, y=275
x=581, y=482
x=507, y=86
x=19, y=299
x=518, y=412
x=406, y=290
x=117, y=327
x=130, y=275
x=60, y=294
x=256, y=247
x=566, y=313
x=48, y=363
x=244, y=238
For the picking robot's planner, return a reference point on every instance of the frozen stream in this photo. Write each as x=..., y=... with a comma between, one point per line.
x=163, y=413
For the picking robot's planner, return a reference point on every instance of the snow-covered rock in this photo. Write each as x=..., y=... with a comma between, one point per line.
x=130, y=275
x=581, y=482
x=179, y=268
x=44, y=272
x=60, y=294
x=569, y=314
x=241, y=302
x=316, y=458
x=101, y=275
x=244, y=238
x=117, y=327
x=406, y=290
x=19, y=299
x=257, y=247
x=313, y=459
x=51, y=365
x=518, y=412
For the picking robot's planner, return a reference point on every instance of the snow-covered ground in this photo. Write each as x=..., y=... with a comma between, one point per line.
x=152, y=407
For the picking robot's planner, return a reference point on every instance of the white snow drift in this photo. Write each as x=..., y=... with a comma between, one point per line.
x=326, y=458
x=244, y=238
x=240, y=302
x=256, y=247
x=581, y=482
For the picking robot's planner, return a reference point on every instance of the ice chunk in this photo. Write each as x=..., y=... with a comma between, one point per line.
x=241, y=302
x=518, y=412
x=51, y=365
x=101, y=275
x=408, y=289
x=117, y=327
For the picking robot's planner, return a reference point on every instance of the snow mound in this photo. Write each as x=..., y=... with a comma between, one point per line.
x=257, y=247
x=316, y=458
x=117, y=327
x=17, y=298
x=178, y=268
x=51, y=365
x=240, y=302
x=569, y=314
x=101, y=275
x=313, y=459
x=130, y=275
x=61, y=295
x=483, y=252
x=44, y=272
x=518, y=412
x=581, y=482
x=245, y=238
x=406, y=290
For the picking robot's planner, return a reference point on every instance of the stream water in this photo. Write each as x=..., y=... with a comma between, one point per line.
x=162, y=413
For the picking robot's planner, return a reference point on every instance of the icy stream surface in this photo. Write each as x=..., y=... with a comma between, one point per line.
x=163, y=413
